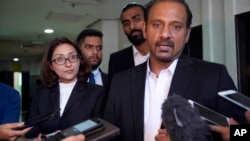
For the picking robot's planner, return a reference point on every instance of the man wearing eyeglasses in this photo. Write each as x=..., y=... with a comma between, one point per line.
x=132, y=20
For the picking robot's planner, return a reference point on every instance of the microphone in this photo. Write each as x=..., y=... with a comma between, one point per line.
x=183, y=123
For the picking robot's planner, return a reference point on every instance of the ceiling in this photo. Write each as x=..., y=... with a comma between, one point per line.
x=22, y=22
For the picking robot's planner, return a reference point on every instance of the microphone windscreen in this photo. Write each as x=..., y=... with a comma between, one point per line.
x=183, y=123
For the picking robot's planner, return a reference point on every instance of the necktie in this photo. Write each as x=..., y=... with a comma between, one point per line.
x=91, y=78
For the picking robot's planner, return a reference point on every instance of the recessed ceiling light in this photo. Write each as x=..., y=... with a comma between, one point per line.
x=48, y=31
x=15, y=59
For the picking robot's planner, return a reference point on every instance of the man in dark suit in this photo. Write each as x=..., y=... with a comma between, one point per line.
x=90, y=43
x=136, y=95
x=132, y=20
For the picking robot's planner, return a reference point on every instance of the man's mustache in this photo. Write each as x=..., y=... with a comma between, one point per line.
x=135, y=30
x=95, y=57
x=165, y=42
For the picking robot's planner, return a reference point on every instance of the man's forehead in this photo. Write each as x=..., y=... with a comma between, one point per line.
x=167, y=7
x=131, y=12
x=91, y=37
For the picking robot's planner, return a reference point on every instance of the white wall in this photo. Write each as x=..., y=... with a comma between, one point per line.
x=240, y=6
x=216, y=17
x=195, y=6
x=109, y=29
x=110, y=41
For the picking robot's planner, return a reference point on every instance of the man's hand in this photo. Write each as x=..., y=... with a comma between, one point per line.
x=8, y=133
x=79, y=137
x=224, y=131
x=247, y=115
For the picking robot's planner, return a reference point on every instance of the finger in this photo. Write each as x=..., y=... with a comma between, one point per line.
x=80, y=137
x=215, y=128
x=13, y=138
x=161, y=137
x=233, y=122
x=24, y=131
x=19, y=133
x=247, y=115
x=162, y=131
x=14, y=125
x=15, y=133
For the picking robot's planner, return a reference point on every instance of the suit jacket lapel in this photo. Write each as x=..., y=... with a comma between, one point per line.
x=130, y=57
x=54, y=96
x=104, y=78
x=75, y=94
x=54, y=99
x=182, y=76
x=138, y=90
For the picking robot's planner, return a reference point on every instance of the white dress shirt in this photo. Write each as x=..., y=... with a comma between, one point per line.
x=97, y=77
x=65, y=92
x=138, y=57
x=156, y=92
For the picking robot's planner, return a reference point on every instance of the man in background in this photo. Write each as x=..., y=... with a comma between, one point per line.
x=90, y=43
x=132, y=20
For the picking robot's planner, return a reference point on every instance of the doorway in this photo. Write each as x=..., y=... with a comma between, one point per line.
x=242, y=22
x=194, y=46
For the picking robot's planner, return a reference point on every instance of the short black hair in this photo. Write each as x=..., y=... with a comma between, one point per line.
x=131, y=5
x=183, y=2
x=88, y=32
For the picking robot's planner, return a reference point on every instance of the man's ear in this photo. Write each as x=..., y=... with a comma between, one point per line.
x=144, y=30
x=188, y=34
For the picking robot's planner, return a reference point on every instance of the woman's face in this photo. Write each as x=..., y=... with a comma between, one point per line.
x=65, y=63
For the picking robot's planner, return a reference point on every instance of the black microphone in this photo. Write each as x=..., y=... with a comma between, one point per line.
x=183, y=123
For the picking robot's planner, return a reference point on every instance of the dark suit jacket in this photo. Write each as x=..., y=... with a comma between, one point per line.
x=105, y=79
x=120, y=61
x=85, y=101
x=106, y=85
x=193, y=79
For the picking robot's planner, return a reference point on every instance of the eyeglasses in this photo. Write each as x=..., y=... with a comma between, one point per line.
x=62, y=60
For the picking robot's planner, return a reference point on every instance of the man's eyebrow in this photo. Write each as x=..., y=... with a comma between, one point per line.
x=89, y=44
x=135, y=16
x=94, y=45
x=123, y=21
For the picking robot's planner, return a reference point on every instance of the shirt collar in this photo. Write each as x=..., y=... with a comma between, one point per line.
x=135, y=51
x=96, y=71
x=171, y=68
